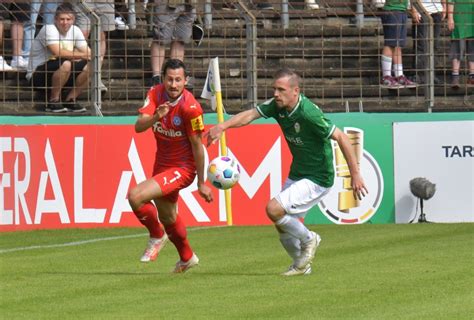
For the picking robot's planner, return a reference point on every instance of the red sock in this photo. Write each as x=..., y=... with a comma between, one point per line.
x=148, y=216
x=177, y=234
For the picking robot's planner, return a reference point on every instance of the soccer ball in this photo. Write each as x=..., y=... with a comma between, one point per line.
x=223, y=172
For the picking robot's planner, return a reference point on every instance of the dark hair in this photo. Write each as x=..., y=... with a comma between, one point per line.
x=295, y=78
x=65, y=7
x=173, y=64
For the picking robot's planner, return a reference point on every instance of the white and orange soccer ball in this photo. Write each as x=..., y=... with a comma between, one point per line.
x=223, y=172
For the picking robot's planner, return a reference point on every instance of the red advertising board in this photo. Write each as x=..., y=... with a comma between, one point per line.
x=75, y=176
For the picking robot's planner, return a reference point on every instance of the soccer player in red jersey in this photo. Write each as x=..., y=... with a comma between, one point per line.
x=176, y=119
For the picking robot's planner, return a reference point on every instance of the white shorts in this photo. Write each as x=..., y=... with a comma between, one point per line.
x=297, y=197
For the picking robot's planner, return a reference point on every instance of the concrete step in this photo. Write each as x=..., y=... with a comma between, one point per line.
x=327, y=87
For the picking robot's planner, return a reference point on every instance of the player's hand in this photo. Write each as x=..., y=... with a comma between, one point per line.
x=205, y=192
x=162, y=110
x=358, y=187
x=213, y=134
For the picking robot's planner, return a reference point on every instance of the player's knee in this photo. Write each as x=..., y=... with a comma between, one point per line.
x=167, y=219
x=134, y=198
x=274, y=210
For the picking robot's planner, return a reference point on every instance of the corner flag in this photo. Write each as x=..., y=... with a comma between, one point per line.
x=212, y=91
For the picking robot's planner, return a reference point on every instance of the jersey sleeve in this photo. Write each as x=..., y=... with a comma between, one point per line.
x=267, y=109
x=322, y=126
x=149, y=105
x=193, y=117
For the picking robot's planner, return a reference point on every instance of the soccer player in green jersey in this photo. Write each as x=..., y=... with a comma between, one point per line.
x=308, y=134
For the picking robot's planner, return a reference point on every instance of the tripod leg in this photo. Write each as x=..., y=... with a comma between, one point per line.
x=422, y=214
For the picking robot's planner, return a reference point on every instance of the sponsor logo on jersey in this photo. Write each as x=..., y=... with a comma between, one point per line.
x=177, y=120
x=197, y=123
x=294, y=140
x=168, y=133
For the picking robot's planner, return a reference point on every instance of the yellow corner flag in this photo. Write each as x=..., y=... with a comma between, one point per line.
x=212, y=91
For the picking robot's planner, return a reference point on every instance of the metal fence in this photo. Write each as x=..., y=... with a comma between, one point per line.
x=336, y=49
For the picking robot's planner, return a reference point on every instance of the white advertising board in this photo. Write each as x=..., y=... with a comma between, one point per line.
x=443, y=153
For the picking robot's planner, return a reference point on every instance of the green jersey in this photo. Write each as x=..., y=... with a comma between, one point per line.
x=463, y=19
x=307, y=133
x=396, y=5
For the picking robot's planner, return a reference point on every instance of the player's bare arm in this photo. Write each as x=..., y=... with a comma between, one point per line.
x=239, y=120
x=198, y=153
x=358, y=185
x=145, y=121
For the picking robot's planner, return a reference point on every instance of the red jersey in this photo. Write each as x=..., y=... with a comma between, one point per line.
x=184, y=119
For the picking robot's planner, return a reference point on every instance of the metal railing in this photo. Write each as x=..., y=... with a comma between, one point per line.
x=96, y=94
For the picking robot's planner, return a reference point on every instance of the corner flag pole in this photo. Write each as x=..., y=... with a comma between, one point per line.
x=215, y=80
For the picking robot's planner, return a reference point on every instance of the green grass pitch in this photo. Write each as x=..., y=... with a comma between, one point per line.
x=420, y=271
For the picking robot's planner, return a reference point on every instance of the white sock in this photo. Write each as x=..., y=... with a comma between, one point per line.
x=398, y=69
x=294, y=227
x=386, y=66
x=291, y=245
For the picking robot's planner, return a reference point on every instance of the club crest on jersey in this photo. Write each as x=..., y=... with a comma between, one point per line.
x=177, y=120
x=297, y=127
x=197, y=123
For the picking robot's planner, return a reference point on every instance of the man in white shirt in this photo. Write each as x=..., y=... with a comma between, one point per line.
x=60, y=58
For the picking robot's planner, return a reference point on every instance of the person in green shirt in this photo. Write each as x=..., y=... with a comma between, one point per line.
x=461, y=23
x=308, y=135
x=394, y=22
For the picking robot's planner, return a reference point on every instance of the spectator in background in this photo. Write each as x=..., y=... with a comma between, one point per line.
x=461, y=23
x=394, y=21
x=105, y=9
x=437, y=11
x=121, y=14
x=172, y=25
x=263, y=5
x=4, y=66
x=48, y=8
x=59, y=58
x=311, y=5
x=18, y=13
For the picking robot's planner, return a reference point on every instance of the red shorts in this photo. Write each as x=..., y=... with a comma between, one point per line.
x=171, y=180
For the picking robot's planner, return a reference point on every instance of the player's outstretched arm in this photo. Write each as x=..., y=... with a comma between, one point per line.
x=239, y=120
x=358, y=185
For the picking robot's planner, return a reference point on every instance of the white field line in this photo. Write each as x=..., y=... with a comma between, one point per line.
x=70, y=244
x=79, y=243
